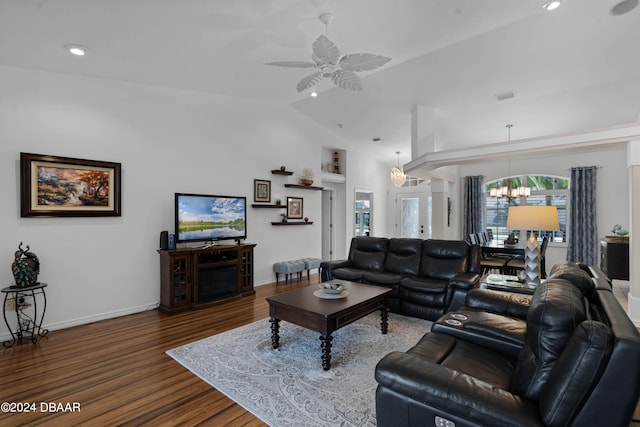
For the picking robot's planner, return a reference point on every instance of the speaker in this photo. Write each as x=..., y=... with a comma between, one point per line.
x=164, y=240
x=172, y=242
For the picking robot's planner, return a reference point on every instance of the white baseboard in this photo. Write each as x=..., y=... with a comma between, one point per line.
x=90, y=319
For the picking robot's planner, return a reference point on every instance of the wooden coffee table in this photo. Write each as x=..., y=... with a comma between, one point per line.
x=325, y=316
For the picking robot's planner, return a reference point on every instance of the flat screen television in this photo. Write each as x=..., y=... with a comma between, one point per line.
x=205, y=218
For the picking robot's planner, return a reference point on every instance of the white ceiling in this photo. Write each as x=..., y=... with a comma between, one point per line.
x=576, y=68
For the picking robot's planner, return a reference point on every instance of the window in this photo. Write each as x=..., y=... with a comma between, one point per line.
x=545, y=191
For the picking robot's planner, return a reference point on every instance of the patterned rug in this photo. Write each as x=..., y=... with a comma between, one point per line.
x=287, y=386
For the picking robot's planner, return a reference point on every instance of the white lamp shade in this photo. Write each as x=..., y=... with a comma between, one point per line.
x=533, y=218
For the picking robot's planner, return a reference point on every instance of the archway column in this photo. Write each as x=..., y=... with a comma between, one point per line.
x=633, y=167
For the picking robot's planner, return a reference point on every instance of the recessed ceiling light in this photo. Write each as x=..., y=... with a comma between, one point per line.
x=551, y=5
x=623, y=7
x=313, y=94
x=76, y=49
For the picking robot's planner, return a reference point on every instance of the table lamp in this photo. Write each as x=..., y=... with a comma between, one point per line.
x=532, y=218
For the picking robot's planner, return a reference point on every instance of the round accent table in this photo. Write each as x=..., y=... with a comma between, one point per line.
x=25, y=302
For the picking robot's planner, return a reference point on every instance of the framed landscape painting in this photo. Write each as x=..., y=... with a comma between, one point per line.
x=63, y=186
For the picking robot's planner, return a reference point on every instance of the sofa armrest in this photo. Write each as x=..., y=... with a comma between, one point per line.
x=458, y=287
x=443, y=391
x=465, y=281
x=327, y=267
x=501, y=302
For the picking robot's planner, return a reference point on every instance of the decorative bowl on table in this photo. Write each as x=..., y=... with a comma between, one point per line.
x=332, y=287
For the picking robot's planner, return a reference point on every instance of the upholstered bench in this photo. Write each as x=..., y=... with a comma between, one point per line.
x=288, y=268
x=311, y=264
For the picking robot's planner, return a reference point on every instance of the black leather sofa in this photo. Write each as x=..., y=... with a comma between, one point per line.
x=427, y=277
x=566, y=356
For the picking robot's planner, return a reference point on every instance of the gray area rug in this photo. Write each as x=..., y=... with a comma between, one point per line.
x=287, y=386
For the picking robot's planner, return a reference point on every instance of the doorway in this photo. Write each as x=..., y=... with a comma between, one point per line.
x=328, y=230
x=413, y=213
x=363, y=210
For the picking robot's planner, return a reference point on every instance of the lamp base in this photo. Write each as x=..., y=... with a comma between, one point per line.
x=532, y=262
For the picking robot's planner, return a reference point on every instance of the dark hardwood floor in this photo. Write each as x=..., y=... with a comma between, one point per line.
x=119, y=374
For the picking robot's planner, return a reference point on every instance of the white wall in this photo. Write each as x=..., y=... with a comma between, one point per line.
x=167, y=141
x=611, y=184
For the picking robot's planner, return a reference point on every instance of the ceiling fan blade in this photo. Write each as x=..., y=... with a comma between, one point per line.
x=362, y=61
x=347, y=79
x=325, y=51
x=294, y=64
x=309, y=81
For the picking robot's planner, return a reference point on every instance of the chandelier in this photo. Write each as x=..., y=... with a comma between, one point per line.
x=397, y=174
x=506, y=189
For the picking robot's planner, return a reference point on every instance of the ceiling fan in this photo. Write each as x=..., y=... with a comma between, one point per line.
x=326, y=58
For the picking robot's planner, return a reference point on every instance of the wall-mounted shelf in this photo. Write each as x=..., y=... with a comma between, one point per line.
x=304, y=187
x=293, y=223
x=257, y=205
x=281, y=172
x=333, y=177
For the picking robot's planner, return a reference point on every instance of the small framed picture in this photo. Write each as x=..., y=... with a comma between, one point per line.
x=261, y=190
x=294, y=207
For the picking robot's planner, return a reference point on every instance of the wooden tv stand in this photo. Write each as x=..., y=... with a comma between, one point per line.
x=192, y=278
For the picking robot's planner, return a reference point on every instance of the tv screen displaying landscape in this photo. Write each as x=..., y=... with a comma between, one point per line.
x=203, y=218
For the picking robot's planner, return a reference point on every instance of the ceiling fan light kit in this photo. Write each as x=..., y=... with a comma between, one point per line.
x=327, y=60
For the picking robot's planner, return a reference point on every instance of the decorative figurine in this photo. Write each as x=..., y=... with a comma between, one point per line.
x=307, y=176
x=25, y=267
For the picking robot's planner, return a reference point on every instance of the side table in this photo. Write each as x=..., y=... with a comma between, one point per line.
x=27, y=326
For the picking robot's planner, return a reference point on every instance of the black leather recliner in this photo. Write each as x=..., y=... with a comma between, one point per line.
x=427, y=277
x=578, y=366
x=402, y=260
x=448, y=270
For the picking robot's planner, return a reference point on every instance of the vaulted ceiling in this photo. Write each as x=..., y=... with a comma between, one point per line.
x=573, y=69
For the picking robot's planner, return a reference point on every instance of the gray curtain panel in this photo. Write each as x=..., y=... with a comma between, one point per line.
x=473, y=218
x=582, y=236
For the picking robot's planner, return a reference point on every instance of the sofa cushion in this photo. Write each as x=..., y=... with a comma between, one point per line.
x=444, y=259
x=348, y=273
x=403, y=257
x=557, y=308
x=381, y=278
x=464, y=357
x=368, y=253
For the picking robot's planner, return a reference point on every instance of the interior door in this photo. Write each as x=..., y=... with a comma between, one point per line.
x=328, y=230
x=413, y=215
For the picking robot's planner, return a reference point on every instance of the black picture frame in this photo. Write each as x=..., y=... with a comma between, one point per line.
x=53, y=186
x=261, y=190
x=294, y=207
